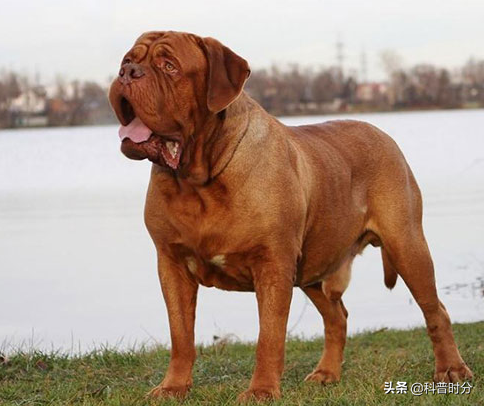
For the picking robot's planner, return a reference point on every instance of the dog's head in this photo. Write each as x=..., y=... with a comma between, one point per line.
x=169, y=85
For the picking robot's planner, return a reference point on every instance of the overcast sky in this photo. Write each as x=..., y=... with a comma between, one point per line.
x=87, y=38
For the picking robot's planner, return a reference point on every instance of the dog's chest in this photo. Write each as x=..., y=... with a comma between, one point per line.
x=203, y=235
x=215, y=264
x=218, y=257
x=224, y=271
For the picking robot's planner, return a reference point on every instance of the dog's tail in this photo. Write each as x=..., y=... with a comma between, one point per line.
x=389, y=272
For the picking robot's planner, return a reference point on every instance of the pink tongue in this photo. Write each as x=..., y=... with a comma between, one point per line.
x=136, y=131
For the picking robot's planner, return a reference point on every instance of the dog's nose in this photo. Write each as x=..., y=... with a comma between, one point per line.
x=130, y=72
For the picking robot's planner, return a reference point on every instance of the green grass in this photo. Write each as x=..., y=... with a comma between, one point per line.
x=221, y=372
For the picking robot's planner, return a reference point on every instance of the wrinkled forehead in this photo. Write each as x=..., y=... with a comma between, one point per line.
x=183, y=47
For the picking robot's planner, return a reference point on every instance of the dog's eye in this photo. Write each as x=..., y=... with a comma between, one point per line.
x=169, y=67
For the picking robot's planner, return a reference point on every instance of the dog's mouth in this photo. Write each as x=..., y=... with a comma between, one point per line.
x=134, y=131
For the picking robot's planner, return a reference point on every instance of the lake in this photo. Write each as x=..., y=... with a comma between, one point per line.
x=78, y=269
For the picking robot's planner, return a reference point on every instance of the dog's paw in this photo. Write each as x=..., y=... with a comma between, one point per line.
x=454, y=374
x=259, y=395
x=322, y=376
x=168, y=392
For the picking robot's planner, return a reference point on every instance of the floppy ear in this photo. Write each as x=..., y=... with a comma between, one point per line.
x=227, y=73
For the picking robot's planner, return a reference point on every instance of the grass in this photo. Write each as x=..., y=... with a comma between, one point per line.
x=110, y=377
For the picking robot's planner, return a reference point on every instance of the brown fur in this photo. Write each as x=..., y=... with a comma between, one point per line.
x=259, y=206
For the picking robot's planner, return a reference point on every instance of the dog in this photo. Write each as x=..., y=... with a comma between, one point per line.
x=239, y=201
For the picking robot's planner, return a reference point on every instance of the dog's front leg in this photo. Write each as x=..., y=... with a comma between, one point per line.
x=273, y=288
x=180, y=294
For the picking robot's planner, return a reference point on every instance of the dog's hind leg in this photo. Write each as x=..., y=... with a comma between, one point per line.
x=398, y=222
x=411, y=259
x=326, y=296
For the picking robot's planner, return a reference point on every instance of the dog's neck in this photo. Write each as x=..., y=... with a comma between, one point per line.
x=215, y=144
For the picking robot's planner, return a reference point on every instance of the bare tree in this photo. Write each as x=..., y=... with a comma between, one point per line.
x=9, y=90
x=392, y=64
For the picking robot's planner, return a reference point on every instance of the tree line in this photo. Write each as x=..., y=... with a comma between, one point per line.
x=282, y=91
x=299, y=90
x=66, y=103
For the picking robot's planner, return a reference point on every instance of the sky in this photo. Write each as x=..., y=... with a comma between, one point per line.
x=86, y=39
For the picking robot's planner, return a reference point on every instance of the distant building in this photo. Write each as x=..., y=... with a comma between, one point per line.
x=373, y=92
x=29, y=109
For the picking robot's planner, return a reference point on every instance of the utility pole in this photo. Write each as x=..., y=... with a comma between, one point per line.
x=340, y=54
x=364, y=66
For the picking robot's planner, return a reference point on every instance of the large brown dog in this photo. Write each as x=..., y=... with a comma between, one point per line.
x=239, y=201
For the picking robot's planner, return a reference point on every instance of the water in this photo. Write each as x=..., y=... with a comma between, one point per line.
x=77, y=267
